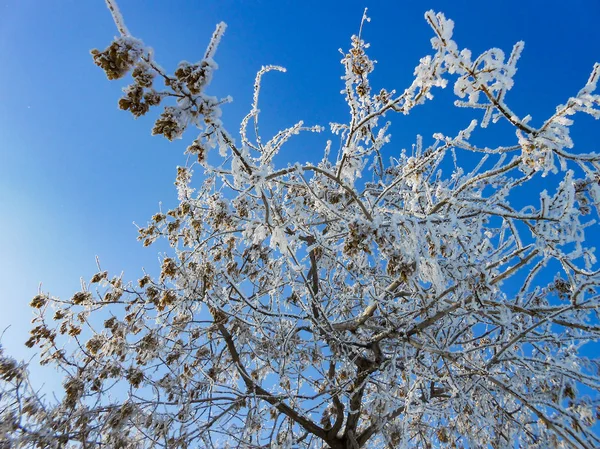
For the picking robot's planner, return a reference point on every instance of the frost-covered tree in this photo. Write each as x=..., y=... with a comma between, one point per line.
x=359, y=300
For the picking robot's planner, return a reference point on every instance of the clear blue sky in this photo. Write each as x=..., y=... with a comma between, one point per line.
x=75, y=172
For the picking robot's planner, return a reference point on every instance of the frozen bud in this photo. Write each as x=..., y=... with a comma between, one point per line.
x=133, y=100
x=135, y=377
x=169, y=124
x=198, y=149
x=195, y=76
x=142, y=75
x=38, y=301
x=117, y=59
x=152, y=98
x=9, y=369
x=81, y=297
x=99, y=276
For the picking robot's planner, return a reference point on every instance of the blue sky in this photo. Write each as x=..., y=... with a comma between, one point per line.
x=75, y=172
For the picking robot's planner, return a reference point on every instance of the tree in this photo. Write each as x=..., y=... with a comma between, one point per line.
x=345, y=303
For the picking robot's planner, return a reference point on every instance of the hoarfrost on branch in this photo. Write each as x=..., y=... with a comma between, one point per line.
x=356, y=301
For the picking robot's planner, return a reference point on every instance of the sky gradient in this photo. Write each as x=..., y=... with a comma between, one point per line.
x=75, y=172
